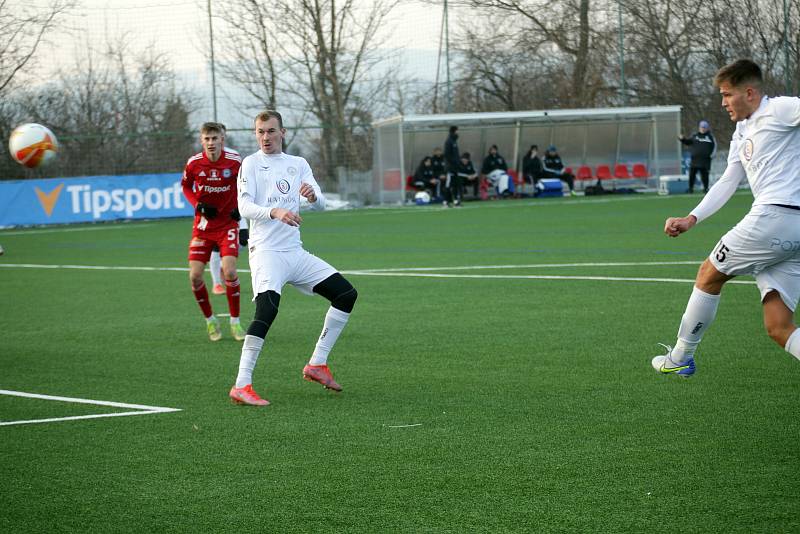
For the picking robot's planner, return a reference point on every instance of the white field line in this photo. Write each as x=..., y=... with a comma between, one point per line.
x=537, y=277
x=359, y=271
x=531, y=266
x=404, y=426
x=94, y=267
x=81, y=229
x=500, y=204
x=141, y=409
x=416, y=271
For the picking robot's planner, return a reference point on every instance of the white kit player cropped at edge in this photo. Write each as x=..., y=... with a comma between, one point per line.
x=765, y=149
x=270, y=186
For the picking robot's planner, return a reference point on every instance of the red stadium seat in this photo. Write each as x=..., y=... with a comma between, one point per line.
x=640, y=171
x=568, y=170
x=603, y=172
x=584, y=173
x=621, y=171
x=391, y=180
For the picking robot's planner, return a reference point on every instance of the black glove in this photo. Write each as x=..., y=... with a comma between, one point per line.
x=235, y=215
x=243, y=235
x=206, y=210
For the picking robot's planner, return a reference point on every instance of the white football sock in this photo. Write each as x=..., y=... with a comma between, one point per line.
x=700, y=312
x=250, y=351
x=214, y=265
x=793, y=344
x=234, y=320
x=335, y=320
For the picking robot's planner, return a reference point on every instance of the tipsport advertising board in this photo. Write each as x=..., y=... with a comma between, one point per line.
x=91, y=199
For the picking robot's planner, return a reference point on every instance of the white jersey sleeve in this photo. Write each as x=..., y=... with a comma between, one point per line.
x=248, y=192
x=720, y=192
x=307, y=177
x=787, y=109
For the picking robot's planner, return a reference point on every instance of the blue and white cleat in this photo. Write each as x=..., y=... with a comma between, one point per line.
x=664, y=364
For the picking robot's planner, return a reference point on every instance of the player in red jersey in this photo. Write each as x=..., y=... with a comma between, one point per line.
x=209, y=183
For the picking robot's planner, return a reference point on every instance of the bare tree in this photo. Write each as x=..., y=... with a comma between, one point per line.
x=22, y=29
x=250, y=50
x=116, y=111
x=501, y=66
x=313, y=56
x=568, y=26
x=332, y=52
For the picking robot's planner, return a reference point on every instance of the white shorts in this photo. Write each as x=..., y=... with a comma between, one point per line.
x=765, y=244
x=271, y=270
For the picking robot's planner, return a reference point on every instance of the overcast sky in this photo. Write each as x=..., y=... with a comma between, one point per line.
x=180, y=29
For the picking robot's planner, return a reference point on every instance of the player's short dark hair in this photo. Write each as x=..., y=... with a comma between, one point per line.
x=268, y=114
x=534, y=147
x=453, y=129
x=209, y=127
x=740, y=72
x=465, y=155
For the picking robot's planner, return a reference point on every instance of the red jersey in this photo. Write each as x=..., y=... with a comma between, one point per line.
x=212, y=183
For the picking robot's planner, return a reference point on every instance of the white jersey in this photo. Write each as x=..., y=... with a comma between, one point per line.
x=268, y=181
x=765, y=148
x=767, y=145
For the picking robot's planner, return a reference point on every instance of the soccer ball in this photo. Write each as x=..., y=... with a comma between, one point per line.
x=422, y=197
x=32, y=145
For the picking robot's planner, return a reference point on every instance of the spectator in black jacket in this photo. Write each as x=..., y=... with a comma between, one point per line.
x=452, y=160
x=495, y=170
x=467, y=174
x=437, y=159
x=702, y=147
x=554, y=168
x=532, y=168
x=425, y=178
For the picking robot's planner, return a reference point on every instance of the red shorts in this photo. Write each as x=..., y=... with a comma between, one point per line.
x=203, y=242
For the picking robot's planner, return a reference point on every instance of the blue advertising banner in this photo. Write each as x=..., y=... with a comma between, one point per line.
x=91, y=199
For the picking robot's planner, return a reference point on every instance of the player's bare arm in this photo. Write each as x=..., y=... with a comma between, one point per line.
x=308, y=191
x=675, y=226
x=286, y=216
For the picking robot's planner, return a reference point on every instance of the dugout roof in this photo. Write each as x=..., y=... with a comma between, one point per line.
x=591, y=137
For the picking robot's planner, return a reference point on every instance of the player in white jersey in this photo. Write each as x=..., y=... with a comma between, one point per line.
x=270, y=186
x=765, y=149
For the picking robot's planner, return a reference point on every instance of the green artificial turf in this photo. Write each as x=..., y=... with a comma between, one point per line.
x=483, y=402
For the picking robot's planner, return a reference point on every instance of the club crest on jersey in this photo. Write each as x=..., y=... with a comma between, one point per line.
x=226, y=173
x=291, y=171
x=283, y=186
x=748, y=149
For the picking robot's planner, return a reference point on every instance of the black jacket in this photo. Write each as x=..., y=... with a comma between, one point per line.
x=491, y=163
x=702, y=147
x=553, y=163
x=532, y=166
x=452, y=157
x=466, y=170
x=438, y=165
x=424, y=174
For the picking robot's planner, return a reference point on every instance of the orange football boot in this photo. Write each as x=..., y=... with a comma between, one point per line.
x=246, y=395
x=321, y=374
